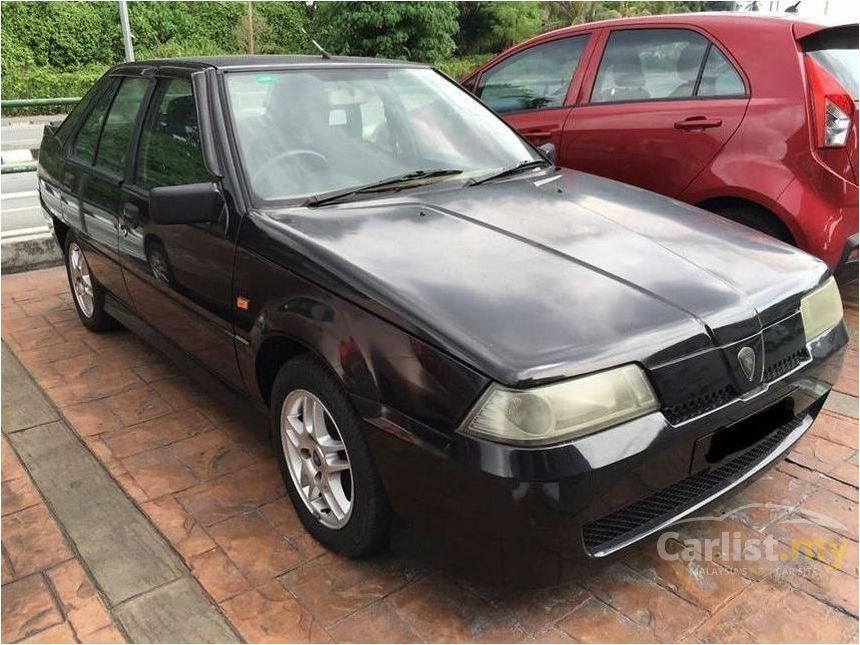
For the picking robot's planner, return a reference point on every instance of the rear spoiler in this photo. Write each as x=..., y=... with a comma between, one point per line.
x=809, y=32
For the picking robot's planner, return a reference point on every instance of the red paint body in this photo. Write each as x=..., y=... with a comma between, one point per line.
x=758, y=149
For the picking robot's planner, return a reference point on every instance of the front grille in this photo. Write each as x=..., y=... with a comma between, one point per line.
x=638, y=518
x=785, y=365
x=700, y=405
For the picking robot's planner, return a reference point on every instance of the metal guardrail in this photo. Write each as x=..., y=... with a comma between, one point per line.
x=17, y=167
x=20, y=103
x=14, y=103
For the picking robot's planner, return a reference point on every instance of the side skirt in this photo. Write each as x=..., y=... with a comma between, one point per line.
x=246, y=409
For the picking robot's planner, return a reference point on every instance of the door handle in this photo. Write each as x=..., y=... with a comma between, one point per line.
x=129, y=216
x=698, y=123
x=537, y=134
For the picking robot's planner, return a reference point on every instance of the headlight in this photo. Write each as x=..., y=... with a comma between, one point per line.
x=562, y=411
x=821, y=310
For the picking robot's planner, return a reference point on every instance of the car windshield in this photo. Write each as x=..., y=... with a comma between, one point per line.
x=305, y=133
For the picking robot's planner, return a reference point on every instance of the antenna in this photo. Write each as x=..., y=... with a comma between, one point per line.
x=322, y=51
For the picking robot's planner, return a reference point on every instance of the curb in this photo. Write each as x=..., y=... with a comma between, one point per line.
x=29, y=249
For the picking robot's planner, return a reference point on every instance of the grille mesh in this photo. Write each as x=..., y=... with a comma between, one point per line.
x=637, y=518
x=700, y=405
x=788, y=364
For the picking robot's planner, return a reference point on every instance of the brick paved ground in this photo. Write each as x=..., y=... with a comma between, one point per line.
x=210, y=484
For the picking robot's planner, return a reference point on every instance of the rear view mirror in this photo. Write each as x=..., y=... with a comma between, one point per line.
x=186, y=204
x=548, y=152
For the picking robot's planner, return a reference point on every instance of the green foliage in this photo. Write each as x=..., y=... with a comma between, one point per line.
x=44, y=82
x=421, y=31
x=495, y=26
x=59, y=48
x=284, y=23
x=458, y=68
x=62, y=35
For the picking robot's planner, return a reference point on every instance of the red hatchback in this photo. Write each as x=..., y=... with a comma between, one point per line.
x=753, y=117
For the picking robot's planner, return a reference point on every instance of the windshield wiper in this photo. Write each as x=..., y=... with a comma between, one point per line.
x=391, y=183
x=523, y=165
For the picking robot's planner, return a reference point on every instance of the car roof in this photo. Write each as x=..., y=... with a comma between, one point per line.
x=271, y=61
x=704, y=18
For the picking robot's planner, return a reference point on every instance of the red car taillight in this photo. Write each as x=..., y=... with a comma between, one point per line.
x=832, y=107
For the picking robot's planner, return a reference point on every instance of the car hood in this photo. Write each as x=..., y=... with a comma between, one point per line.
x=554, y=274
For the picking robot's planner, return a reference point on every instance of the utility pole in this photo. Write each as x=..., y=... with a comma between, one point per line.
x=250, y=27
x=126, y=31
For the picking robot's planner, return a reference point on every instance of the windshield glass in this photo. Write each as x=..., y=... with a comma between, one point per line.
x=307, y=132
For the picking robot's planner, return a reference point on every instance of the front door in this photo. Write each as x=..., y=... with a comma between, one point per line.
x=663, y=102
x=179, y=276
x=529, y=89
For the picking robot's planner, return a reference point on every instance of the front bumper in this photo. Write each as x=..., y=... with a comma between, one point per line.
x=538, y=516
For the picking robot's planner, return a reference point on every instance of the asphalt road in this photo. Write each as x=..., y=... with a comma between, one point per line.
x=19, y=203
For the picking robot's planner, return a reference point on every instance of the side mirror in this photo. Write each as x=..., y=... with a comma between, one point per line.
x=548, y=151
x=186, y=204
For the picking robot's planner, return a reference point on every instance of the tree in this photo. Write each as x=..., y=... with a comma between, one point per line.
x=420, y=31
x=494, y=26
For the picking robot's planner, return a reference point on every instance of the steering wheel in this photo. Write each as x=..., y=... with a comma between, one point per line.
x=287, y=154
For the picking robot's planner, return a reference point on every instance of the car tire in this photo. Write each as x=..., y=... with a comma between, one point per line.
x=345, y=510
x=87, y=294
x=756, y=218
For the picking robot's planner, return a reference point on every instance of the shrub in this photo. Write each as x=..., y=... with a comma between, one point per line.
x=420, y=31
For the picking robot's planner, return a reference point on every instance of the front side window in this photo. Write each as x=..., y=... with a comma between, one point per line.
x=169, y=153
x=649, y=64
x=87, y=139
x=119, y=125
x=306, y=132
x=532, y=79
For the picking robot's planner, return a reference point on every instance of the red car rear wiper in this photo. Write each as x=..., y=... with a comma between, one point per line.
x=384, y=184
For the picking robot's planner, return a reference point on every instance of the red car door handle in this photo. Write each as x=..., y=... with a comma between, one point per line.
x=537, y=134
x=698, y=122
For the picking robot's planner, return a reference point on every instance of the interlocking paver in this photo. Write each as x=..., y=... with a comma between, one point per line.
x=28, y=608
x=778, y=614
x=333, y=587
x=654, y=608
x=78, y=598
x=269, y=614
x=259, y=551
x=208, y=481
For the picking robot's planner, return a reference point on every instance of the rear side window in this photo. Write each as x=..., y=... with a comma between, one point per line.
x=80, y=108
x=88, y=136
x=649, y=64
x=532, y=79
x=719, y=78
x=119, y=125
x=169, y=153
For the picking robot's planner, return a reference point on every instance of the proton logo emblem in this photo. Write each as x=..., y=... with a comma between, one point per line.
x=746, y=359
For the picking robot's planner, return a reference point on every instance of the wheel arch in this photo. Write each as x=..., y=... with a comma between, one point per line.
x=720, y=204
x=61, y=230
x=274, y=352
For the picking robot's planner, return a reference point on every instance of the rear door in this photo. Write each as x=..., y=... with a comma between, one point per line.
x=530, y=88
x=92, y=178
x=179, y=276
x=660, y=104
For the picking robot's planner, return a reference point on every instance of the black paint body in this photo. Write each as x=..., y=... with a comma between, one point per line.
x=419, y=300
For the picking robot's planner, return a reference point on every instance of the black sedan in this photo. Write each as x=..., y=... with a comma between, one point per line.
x=519, y=366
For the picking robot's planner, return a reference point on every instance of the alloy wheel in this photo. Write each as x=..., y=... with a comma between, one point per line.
x=82, y=282
x=316, y=458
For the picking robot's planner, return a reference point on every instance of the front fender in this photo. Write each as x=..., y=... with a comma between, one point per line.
x=384, y=368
